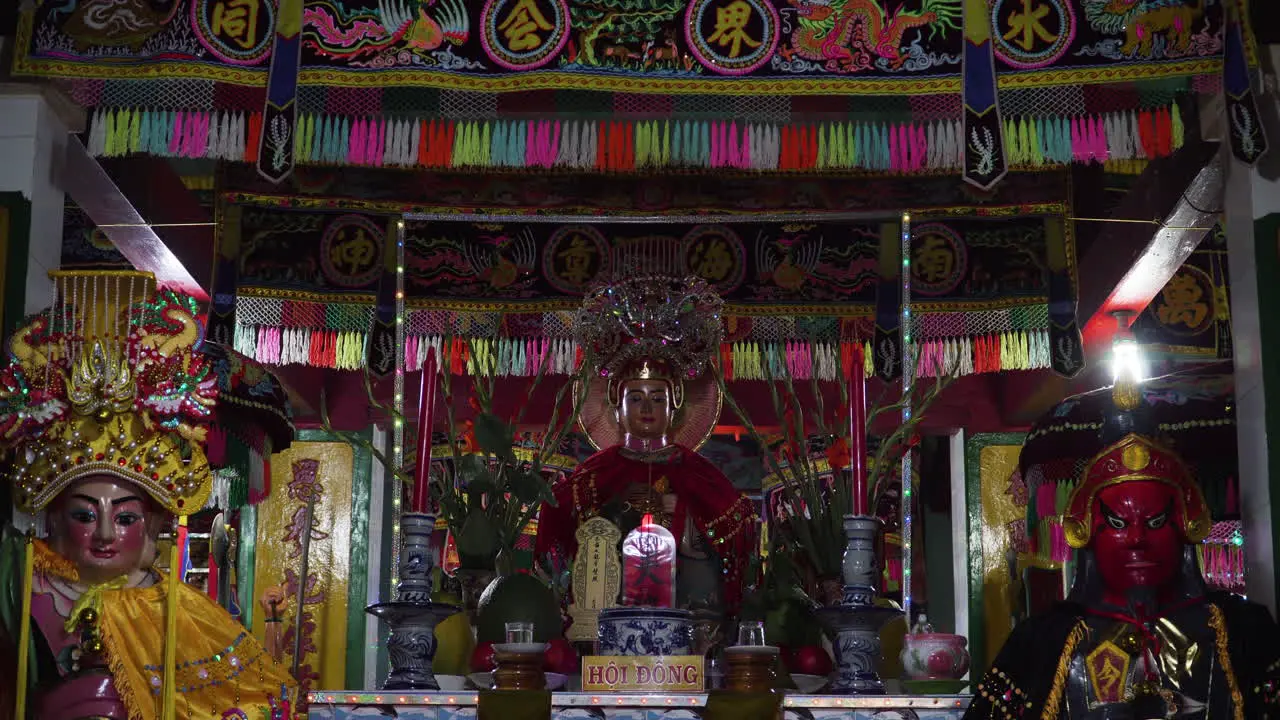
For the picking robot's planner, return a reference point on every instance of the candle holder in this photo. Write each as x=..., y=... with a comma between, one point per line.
x=412, y=617
x=751, y=668
x=519, y=666
x=857, y=621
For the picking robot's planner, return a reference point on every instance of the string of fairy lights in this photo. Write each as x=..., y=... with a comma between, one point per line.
x=908, y=376
x=397, y=433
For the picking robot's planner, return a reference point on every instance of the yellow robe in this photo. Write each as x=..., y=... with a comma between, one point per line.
x=221, y=667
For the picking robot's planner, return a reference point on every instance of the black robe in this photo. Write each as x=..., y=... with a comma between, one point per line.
x=1028, y=677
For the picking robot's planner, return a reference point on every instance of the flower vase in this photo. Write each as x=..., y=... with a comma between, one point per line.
x=855, y=623
x=412, y=617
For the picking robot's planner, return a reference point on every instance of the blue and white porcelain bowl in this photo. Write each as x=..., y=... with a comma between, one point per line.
x=645, y=631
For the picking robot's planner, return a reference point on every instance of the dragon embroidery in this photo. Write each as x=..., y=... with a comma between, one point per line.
x=851, y=35
x=418, y=26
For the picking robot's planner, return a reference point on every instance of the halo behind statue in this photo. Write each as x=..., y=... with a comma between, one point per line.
x=695, y=420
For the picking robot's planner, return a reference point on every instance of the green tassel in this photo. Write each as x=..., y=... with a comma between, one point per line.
x=146, y=128
x=522, y=144
x=344, y=140
x=1036, y=131
x=1179, y=132
x=643, y=143
x=460, y=151
x=326, y=139
x=882, y=147
x=309, y=139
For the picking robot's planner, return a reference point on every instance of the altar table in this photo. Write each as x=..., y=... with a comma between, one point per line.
x=633, y=706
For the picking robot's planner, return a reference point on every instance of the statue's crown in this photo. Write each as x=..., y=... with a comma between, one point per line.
x=109, y=381
x=660, y=326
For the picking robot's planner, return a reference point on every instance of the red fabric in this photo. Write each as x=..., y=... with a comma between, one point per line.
x=255, y=136
x=724, y=515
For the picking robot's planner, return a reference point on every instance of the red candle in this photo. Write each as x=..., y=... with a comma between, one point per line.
x=426, y=415
x=858, y=432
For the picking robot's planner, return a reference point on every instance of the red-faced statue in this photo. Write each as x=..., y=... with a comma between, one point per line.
x=1136, y=539
x=1136, y=508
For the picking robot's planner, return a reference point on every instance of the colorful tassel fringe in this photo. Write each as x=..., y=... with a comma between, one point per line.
x=630, y=146
x=749, y=360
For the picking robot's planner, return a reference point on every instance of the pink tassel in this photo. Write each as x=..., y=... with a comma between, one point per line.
x=355, y=144
x=922, y=147
x=716, y=144
x=202, y=135
x=189, y=141
x=1046, y=499
x=547, y=144
x=184, y=146
x=894, y=162
x=553, y=151
x=1100, y=151
x=535, y=151
x=380, y=143
x=746, y=147
x=411, y=353
x=908, y=136
x=175, y=136
x=904, y=136
x=735, y=149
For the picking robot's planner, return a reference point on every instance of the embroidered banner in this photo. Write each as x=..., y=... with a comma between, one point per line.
x=800, y=293
x=759, y=268
x=657, y=46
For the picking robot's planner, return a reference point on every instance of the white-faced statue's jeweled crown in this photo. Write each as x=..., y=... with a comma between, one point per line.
x=651, y=327
x=109, y=380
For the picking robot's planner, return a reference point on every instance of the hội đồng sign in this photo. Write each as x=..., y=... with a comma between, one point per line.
x=646, y=673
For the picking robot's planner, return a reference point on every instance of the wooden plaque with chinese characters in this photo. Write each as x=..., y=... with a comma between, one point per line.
x=597, y=576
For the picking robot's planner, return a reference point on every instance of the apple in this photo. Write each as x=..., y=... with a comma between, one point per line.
x=561, y=657
x=811, y=660
x=482, y=659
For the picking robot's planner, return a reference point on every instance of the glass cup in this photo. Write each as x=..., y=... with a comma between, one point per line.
x=519, y=632
x=751, y=634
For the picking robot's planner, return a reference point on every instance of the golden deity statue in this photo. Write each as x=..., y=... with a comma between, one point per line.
x=102, y=410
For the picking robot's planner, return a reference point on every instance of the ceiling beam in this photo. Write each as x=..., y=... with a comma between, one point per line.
x=1126, y=266
x=157, y=192
x=92, y=189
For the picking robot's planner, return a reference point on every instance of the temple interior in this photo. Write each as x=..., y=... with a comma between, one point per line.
x=639, y=359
